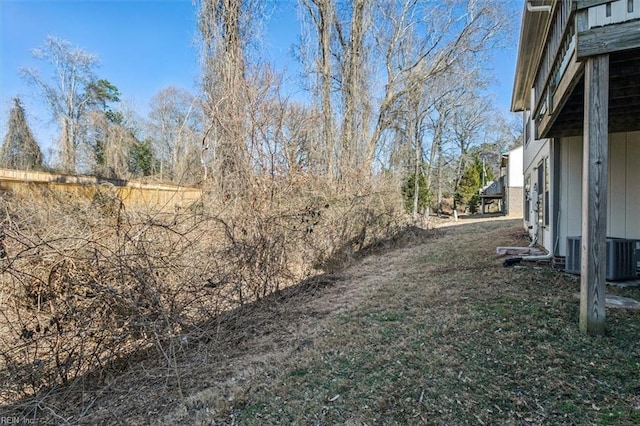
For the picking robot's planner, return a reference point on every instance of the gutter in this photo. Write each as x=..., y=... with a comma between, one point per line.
x=531, y=8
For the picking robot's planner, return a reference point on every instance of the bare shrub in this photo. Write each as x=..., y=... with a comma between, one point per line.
x=86, y=284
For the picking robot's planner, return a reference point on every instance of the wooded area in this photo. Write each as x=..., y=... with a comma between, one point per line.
x=395, y=89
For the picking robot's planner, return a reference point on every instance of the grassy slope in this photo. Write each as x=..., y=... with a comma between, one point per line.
x=450, y=336
x=437, y=332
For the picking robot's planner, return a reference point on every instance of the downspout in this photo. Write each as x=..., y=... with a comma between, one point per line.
x=532, y=8
x=542, y=257
x=555, y=177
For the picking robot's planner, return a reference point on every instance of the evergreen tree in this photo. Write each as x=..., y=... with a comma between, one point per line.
x=470, y=184
x=19, y=149
x=408, y=193
x=141, y=158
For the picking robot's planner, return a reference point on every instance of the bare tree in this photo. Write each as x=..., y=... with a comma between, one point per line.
x=300, y=139
x=335, y=54
x=19, y=149
x=66, y=93
x=354, y=93
x=422, y=41
x=321, y=14
x=417, y=41
x=175, y=128
x=226, y=30
x=107, y=145
x=467, y=128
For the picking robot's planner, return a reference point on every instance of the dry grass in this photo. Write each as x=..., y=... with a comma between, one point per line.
x=430, y=329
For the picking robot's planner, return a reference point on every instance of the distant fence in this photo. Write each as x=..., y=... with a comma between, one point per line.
x=132, y=193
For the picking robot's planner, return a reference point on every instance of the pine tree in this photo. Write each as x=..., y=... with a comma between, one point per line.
x=408, y=193
x=471, y=182
x=19, y=149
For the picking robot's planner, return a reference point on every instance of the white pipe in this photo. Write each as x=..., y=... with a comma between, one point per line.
x=531, y=8
x=547, y=256
x=512, y=248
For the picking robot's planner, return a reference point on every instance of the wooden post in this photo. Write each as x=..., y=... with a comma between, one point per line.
x=594, y=195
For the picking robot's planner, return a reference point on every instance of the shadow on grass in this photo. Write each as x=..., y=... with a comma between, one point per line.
x=157, y=363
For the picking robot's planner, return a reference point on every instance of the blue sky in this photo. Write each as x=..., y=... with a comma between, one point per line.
x=143, y=47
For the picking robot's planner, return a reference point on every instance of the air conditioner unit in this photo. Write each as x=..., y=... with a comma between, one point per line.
x=621, y=258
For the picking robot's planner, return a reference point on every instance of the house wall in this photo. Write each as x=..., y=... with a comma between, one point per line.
x=570, y=214
x=535, y=153
x=514, y=198
x=623, y=215
x=514, y=201
x=627, y=158
x=619, y=11
x=515, y=175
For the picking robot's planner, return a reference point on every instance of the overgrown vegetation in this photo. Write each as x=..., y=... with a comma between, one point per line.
x=19, y=148
x=239, y=308
x=87, y=286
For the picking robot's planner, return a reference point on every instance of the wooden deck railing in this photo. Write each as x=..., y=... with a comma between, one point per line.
x=561, y=40
x=558, y=47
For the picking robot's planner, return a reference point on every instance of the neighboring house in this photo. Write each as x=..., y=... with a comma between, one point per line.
x=578, y=86
x=512, y=175
x=506, y=192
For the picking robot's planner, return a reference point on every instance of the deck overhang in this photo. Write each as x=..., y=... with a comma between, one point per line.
x=624, y=99
x=552, y=50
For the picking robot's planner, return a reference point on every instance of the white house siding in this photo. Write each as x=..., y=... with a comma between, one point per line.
x=515, y=176
x=632, y=161
x=570, y=219
x=623, y=216
x=535, y=153
x=514, y=198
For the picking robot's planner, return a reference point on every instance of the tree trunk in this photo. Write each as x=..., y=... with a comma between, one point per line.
x=350, y=156
x=68, y=147
x=324, y=30
x=225, y=87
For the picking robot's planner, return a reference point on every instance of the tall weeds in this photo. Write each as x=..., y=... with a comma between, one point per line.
x=86, y=284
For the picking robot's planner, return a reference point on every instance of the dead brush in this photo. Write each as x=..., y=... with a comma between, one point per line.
x=77, y=296
x=85, y=286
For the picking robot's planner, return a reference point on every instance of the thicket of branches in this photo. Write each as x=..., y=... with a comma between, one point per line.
x=87, y=284
x=395, y=88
